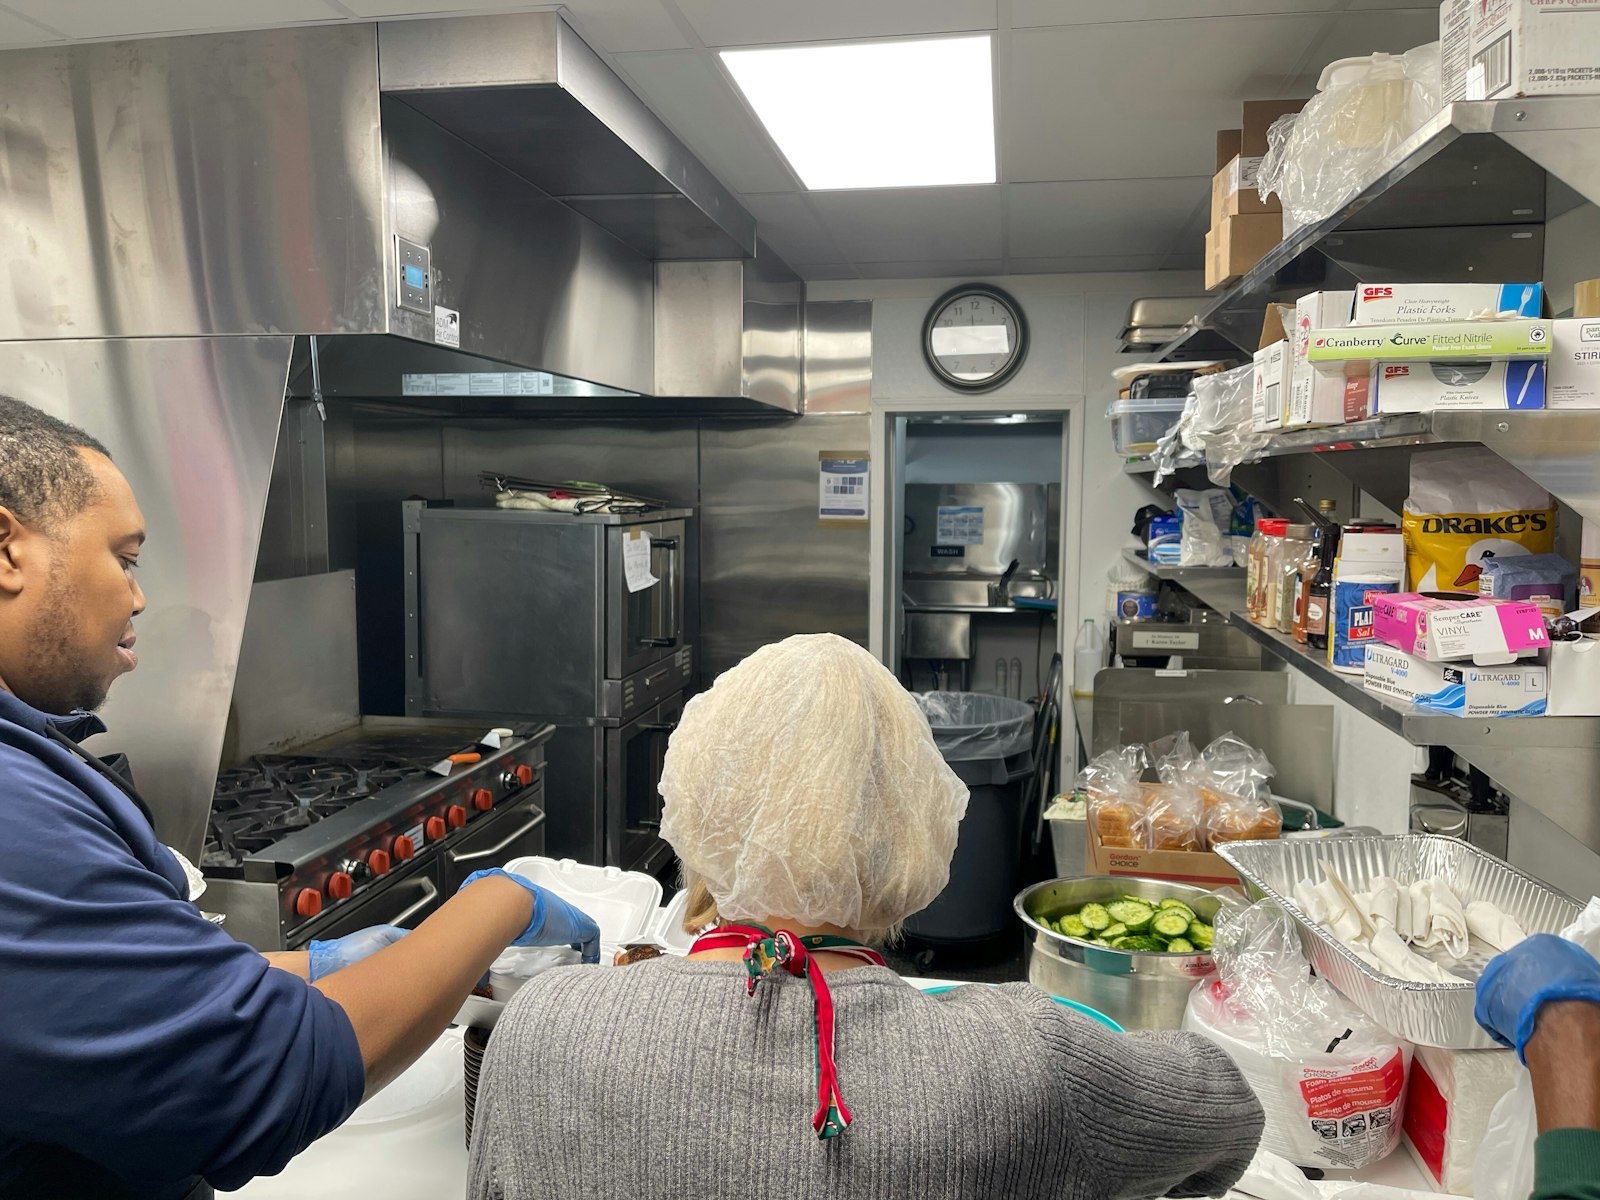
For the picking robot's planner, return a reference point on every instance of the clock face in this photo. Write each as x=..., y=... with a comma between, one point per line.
x=974, y=338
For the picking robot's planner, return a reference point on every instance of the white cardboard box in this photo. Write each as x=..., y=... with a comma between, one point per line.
x=1269, y=395
x=1574, y=380
x=1403, y=303
x=1461, y=689
x=1574, y=679
x=1426, y=386
x=1316, y=397
x=1511, y=48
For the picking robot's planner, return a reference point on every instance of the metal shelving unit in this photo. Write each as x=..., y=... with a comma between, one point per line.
x=1219, y=588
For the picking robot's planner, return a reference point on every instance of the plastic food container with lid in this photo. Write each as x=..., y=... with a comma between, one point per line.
x=1138, y=424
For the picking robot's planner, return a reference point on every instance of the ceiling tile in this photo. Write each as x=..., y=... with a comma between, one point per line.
x=14, y=31
x=787, y=222
x=829, y=271
x=1102, y=216
x=978, y=268
x=1066, y=116
x=1359, y=33
x=97, y=18
x=1081, y=264
x=907, y=224
x=758, y=22
x=688, y=91
x=1025, y=13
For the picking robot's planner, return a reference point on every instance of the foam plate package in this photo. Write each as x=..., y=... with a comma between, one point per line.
x=1430, y=1014
x=625, y=904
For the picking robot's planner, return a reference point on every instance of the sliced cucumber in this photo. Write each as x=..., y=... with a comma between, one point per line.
x=1114, y=931
x=1135, y=914
x=1170, y=923
x=1200, y=934
x=1179, y=905
x=1073, y=927
x=1180, y=946
x=1095, y=917
x=1137, y=942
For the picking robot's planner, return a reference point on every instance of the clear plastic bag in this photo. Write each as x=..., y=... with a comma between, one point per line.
x=1503, y=1169
x=1173, y=817
x=1331, y=1080
x=1214, y=428
x=968, y=726
x=1348, y=132
x=1110, y=784
x=1238, y=800
x=1203, y=539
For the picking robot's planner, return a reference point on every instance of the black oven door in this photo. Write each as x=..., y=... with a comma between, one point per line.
x=645, y=626
x=513, y=831
x=635, y=755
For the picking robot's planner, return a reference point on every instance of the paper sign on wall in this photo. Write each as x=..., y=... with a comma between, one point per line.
x=842, y=488
x=636, y=561
x=959, y=525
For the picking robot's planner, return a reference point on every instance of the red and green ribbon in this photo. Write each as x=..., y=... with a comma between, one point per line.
x=766, y=950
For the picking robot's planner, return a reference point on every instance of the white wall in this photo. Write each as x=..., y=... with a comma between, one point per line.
x=1073, y=321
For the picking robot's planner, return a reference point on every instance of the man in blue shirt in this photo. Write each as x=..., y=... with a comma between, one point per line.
x=143, y=1052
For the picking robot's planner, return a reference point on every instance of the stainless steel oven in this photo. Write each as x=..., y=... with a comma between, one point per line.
x=514, y=833
x=644, y=626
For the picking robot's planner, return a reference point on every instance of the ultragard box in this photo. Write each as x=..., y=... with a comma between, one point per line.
x=1500, y=49
x=1489, y=340
x=1426, y=386
x=1463, y=690
x=1486, y=631
x=1413, y=303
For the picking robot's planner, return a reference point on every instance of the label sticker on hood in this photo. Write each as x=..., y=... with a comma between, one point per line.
x=446, y=327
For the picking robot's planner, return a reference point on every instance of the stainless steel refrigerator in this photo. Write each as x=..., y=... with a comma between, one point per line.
x=573, y=619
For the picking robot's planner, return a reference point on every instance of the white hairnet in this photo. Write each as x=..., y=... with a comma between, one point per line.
x=805, y=785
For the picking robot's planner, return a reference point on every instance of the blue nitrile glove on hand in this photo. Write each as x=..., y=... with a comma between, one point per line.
x=555, y=922
x=338, y=953
x=1543, y=970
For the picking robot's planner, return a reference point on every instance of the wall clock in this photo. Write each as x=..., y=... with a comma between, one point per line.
x=974, y=338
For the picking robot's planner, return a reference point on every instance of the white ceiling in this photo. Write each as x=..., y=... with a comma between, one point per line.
x=1107, y=108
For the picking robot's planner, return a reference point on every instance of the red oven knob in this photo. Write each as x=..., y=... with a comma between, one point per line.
x=456, y=816
x=378, y=862
x=524, y=775
x=435, y=829
x=404, y=847
x=308, y=902
x=340, y=885
x=483, y=799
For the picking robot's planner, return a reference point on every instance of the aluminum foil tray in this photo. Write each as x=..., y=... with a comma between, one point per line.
x=1430, y=1014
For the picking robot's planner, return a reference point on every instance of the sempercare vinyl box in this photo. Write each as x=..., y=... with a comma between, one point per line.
x=1463, y=690
x=1412, y=303
x=1426, y=386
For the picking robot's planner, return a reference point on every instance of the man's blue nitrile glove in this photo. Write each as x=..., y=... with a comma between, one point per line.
x=1542, y=970
x=338, y=953
x=555, y=922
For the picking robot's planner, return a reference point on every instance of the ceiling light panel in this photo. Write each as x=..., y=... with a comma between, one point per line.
x=876, y=114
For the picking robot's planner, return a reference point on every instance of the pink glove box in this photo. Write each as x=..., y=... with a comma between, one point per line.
x=1489, y=632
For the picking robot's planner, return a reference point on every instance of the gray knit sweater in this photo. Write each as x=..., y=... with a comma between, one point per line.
x=663, y=1080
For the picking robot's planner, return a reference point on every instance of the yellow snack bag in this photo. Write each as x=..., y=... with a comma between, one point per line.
x=1465, y=506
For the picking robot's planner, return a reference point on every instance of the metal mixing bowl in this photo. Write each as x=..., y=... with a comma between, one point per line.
x=1137, y=990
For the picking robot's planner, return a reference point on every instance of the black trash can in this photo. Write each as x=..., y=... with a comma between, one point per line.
x=988, y=742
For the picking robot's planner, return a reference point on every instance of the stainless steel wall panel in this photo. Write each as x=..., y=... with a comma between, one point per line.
x=375, y=459
x=838, y=356
x=228, y=183
x=192, y=422
x=768, y=569
x=535, y=283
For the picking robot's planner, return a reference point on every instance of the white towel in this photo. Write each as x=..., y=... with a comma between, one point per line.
x=1447, y=919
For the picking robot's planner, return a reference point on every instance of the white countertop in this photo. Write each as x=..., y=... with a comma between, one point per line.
x=423, y=1155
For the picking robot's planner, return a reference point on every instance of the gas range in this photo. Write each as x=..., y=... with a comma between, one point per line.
x=374, y=825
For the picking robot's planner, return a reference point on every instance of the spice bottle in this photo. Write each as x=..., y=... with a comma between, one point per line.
x=1319, y=596
x=1292, y=559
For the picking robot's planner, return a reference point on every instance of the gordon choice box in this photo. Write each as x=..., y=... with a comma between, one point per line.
x=1462, y=689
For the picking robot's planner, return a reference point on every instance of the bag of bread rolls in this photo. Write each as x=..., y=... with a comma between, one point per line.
x=1235, y=794
x=1174, y=815
x=1110, y=784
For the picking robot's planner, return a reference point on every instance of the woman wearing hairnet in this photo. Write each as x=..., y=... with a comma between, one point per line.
x=812, y=814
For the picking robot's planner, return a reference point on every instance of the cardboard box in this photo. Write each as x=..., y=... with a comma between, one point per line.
x=1230, y=142
x=1360, y=394
x=1233, y=191
x=1421, y=303
x=1489, y=632
x=1258, y=118
x=1461, y=690
x=1490, y=340
x=1198, y=867
x=1574, y=679
x=1317, y=397
x=1424, y=387
x=1574, y=379
x=1269, y=395
x=1516, y=48
x=1236, y=244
